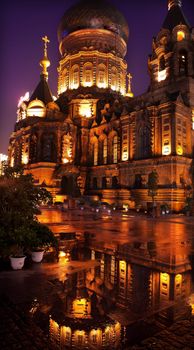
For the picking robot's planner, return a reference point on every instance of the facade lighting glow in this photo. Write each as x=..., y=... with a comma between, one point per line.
x=162, y=75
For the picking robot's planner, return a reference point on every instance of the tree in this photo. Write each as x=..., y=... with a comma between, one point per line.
x=19, y=205
x=153, y=185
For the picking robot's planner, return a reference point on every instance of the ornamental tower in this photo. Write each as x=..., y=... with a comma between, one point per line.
x=172, y=53
x=93, y=43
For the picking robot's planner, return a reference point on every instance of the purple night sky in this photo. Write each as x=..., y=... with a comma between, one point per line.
x=23, y=23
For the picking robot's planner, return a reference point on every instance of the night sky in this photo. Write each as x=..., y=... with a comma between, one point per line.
x=23, y=23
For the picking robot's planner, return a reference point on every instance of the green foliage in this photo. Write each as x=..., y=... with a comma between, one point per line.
x=153, y=184
x=19, y=204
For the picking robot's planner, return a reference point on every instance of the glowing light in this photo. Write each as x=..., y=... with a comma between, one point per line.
x=191, y=303
x=178, y=279
x=62, y=254
x=162, y=75
x=102, y=85
x=65, y=160
x=179, y=150
x=125, y=155
x=24, y=158
x=85, y=109
x=3, y=157
x=180, y=35
x=166, y=150
x=24, y=98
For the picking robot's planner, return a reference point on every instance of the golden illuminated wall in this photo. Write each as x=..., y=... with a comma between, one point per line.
x=92, y=57
x=92, y=69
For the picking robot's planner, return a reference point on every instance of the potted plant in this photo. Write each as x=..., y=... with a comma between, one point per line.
x=41, y=238
x=20, y=200
x=13, y=245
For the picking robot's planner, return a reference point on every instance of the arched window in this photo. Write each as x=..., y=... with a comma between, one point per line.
x=180, y=35
x=101, y=79
x=67, y=145
x=33, y=149
x=114, y=79
x=63, y=86
x=115, y=149
x=162, y=64
x=95, y=152
x=104, y=182
x=95, y=183
x=75, y=77
x=105, y=150
x=88, y=74
x=49, y=153
x=144, y=142
x=183, y=62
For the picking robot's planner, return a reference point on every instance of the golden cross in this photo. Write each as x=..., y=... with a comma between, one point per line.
x=46, y=41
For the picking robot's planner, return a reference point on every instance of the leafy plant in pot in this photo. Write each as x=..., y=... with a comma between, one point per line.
x=19, y=203
x=14, y=243
x=41, y=238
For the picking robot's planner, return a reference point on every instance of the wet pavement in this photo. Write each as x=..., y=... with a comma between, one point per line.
x=124, y=282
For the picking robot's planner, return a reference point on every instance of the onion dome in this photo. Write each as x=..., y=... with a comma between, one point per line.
x=88, y=14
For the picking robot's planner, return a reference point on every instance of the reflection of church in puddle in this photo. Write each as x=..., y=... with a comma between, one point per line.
x=121, y=285
x=96, y=138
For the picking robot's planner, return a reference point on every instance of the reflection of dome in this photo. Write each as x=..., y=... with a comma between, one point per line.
x=93, y=14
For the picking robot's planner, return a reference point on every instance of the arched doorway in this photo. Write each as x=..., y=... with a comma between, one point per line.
x=67, y=185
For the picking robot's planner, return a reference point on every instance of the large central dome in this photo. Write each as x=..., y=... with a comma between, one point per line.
x=93, y=14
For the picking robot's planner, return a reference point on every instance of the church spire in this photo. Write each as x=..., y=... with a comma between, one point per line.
x=172, y=3
x=45, y=63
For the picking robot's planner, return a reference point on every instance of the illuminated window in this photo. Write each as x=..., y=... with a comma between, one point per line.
x=180, y=35
x=193, y=119
x=101, y=81
x=105, y=150
x=67, y=145
x=75, y=77
x=95, y=153
x=88, y=74
x=85, y=108
x=162, y=75
x=115, y=149
x=114, y=79
x=63, y=86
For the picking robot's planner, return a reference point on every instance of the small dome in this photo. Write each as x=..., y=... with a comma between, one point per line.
x=53, y=106
x=93, y=14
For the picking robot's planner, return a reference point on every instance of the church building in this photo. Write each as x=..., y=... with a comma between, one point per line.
x=96, y=138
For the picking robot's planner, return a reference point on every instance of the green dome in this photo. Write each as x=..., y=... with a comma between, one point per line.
x=93, y=14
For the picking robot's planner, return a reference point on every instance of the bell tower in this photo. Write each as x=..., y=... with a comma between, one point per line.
x=172, y=49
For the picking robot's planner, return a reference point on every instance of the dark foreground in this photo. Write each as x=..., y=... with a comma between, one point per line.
x=124, y=283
